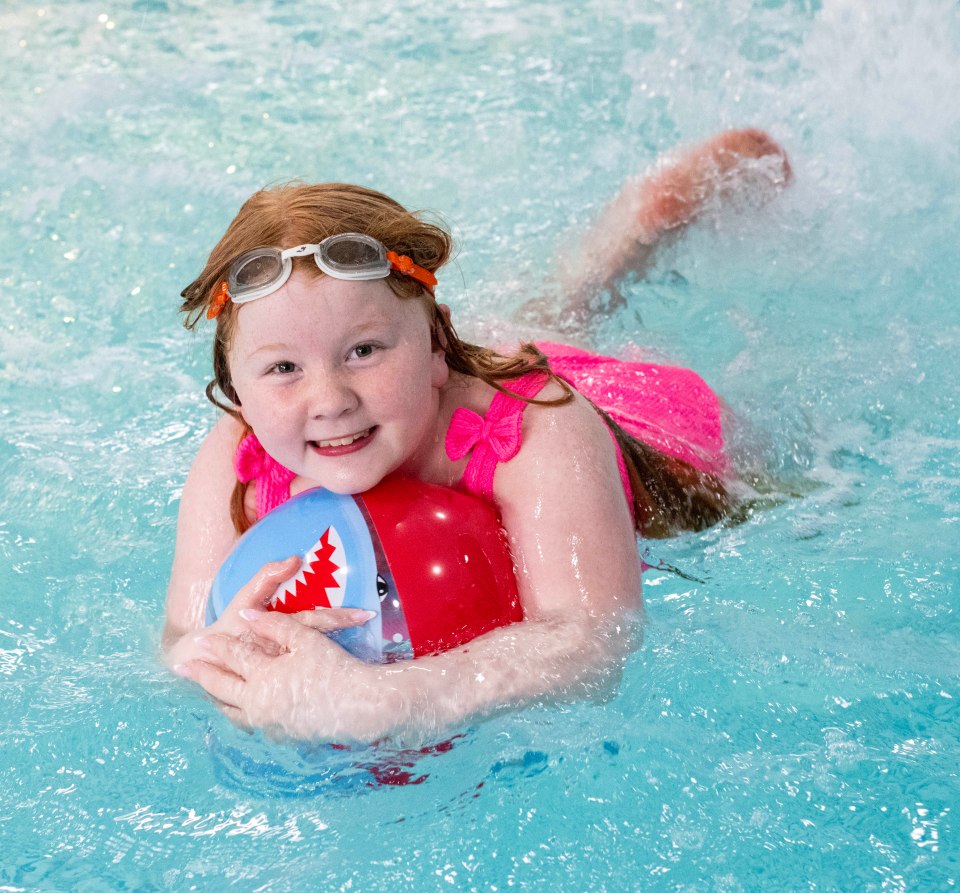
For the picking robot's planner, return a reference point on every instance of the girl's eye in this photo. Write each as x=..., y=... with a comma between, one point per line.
x=362, y=351
x=284, y=367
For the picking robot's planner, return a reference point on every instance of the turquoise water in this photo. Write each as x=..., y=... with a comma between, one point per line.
x=790, y=723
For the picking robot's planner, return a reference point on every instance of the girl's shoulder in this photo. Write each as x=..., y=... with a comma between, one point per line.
x=568, y=426
x=213, y=464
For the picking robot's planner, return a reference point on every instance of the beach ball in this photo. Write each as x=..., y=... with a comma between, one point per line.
x=432, y=562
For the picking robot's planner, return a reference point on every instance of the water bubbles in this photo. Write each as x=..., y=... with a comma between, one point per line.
x=924, y=830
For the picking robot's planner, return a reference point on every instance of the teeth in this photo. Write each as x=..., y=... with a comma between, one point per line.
x=322, y=575
x=343, y=441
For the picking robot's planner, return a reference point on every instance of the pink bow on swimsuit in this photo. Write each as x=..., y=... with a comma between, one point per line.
x=467, y=429
x=253, y=463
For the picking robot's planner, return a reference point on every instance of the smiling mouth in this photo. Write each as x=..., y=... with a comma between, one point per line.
x=342, y=442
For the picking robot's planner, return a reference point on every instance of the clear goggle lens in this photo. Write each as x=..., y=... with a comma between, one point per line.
x=353, y=254
x=255, y=270
x=262, y=271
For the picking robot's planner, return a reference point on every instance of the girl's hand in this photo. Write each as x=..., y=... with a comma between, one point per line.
x=256, y=595
x=286, y=677
x=251, y=601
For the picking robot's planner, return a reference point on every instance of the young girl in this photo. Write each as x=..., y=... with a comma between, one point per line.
x=336, y=366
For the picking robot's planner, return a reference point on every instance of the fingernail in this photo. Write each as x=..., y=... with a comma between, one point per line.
x=251, y=614
x=182, y=670
x=202, y=642
x=362, y=616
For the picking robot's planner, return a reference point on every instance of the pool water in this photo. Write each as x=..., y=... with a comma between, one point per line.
x=790, y=721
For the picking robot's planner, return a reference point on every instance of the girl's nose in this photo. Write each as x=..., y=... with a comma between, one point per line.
x=331, y=396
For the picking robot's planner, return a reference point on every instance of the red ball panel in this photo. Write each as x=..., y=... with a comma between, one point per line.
x=449, y=559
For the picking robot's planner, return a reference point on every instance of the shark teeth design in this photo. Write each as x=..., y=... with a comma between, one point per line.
x=321, y=580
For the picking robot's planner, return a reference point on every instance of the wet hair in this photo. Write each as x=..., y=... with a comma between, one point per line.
x=669, y=495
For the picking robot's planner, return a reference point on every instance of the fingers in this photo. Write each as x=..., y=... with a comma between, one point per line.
x=242, y=658
x=221, y=684
x=261, y=588
x=328, y=620
x=286, y=632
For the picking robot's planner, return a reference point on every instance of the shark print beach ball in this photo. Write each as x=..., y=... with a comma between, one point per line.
x=432, y=563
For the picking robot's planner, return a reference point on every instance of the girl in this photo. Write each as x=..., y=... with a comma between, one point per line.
x=336, y=366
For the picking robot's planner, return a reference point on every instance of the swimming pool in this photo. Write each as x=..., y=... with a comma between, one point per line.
x=789, y=723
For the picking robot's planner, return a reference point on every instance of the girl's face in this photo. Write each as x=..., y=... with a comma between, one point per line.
x=339, y=380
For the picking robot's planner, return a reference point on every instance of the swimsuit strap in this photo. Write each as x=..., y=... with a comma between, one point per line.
x=493, y=438
x=496, y=437
x=252, y=463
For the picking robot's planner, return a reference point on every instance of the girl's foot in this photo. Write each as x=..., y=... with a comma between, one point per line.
x=734, y=165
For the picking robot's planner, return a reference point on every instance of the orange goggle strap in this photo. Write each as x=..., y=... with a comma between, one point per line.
x=402, y=264
x=220, y=298
x=399, y=262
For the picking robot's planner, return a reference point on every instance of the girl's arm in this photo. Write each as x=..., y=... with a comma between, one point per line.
x=205, y=537
x=579, y=578
x=205, y=534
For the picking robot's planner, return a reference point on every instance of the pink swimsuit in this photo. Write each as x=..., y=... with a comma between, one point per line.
x=667, y=407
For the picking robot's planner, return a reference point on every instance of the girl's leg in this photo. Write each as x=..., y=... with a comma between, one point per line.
x=624, y=237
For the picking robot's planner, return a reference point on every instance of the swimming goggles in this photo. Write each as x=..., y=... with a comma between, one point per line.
x=352, y=256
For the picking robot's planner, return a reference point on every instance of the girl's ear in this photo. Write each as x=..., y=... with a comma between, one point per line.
x=230, y=393
x=440, y=369
x=440, y=322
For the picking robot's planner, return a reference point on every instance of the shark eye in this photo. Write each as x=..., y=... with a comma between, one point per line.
x=382, y=588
